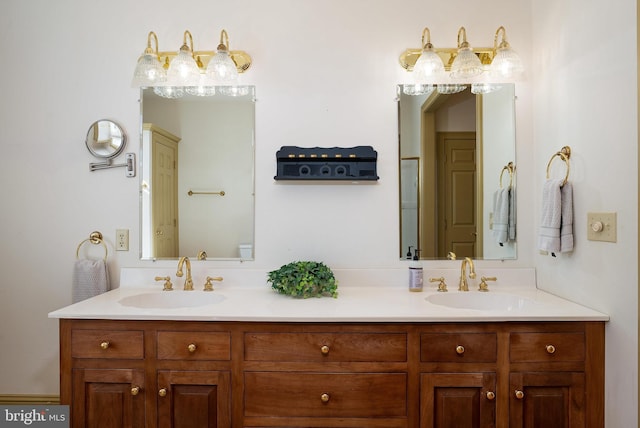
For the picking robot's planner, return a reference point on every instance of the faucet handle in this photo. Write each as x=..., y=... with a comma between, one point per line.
x=167, y=282
x=208, y=286
x=442, y=286
x=483, y=282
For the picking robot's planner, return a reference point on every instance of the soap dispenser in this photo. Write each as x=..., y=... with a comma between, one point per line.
x=415, y=272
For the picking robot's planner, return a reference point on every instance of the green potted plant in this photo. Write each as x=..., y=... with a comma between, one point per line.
x=304, y=279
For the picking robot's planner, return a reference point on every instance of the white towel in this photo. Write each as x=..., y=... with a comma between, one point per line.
x=501, y=216
x=90, y=278
x=556, y=223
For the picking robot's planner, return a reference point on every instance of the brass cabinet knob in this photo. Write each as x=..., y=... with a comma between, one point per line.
x=135, y=390
x=550, y=349
x=519, y=394
x=325, y=398
x=104, y=345
x=324, y=349
x=491, y=395
x=460, y=349
x=192, y=347
x=162, y=392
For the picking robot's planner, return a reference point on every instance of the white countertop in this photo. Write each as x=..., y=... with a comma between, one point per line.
x=391, y=302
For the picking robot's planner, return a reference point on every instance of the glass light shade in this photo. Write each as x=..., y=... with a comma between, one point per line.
x=183, y=70
x=484, y=88
x=417, y=89
x=429, y=66
x=204, y=88
x=451, y=88
x=222, y=69
x=506, y=64
x=466, y=64
x=169, y=91
x=233, y=91
x=148, y=72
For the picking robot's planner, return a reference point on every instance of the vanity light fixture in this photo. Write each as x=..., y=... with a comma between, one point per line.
x=485, y=69
x=174, y=74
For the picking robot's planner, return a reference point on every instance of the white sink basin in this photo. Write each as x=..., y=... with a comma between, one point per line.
x=171, y=299
x=489, y=301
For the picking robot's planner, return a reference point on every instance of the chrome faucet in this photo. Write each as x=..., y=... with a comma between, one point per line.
x=464, y=285
x=188, y=282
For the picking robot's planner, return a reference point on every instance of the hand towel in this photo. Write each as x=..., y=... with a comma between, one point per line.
x=551, y=219
x=566, y=227
x=90, y=278
x=512, y=214
x=501, y=216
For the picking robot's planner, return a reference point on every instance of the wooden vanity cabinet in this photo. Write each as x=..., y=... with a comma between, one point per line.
x=394, y=375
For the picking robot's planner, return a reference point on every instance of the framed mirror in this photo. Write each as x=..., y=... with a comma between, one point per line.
x=105, y=139
x=197, y=176
x=457, y=161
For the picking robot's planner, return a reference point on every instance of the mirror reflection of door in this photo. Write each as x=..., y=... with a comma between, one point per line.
x=456, y=190
x=163, y=191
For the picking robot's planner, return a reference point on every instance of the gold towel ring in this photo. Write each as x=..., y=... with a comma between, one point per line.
x=511, y=169
x=94, y=238
x=563, y=154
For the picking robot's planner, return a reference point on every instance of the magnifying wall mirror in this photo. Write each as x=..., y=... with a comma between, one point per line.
x=454, y=149
x=197, y=176
x=105, y=139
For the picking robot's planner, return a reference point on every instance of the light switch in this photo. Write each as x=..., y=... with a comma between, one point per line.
x=602, y=227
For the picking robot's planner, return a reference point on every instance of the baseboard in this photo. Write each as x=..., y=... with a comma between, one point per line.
x=9, y=399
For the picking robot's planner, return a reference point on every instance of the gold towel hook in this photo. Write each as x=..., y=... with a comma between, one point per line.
x=564, y=154
x=510, y=167
x=95, y=238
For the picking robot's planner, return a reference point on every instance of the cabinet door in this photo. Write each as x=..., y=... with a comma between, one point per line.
x=193, y=399
x=107, y=398
x=550, y=400
x=457, y=400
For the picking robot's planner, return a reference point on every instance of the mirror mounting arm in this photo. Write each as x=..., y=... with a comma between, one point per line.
x=130, y=165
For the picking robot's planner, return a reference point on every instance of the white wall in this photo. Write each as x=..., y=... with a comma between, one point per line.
x=585, y=96
x=326, y=74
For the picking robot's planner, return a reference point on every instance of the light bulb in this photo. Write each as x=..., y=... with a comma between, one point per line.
x=221, y=68
x=183, y=70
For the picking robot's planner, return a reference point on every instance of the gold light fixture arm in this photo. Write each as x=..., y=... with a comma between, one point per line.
x=224, y=40
x=464, y=44
x=428, y=34
x=504, y=42
x=149, y=49
x=187, y=33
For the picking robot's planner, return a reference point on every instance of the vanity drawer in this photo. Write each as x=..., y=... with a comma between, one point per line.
x=358, y=395
x=458, y=347
x=196, y=345
x=107, y=344
x=316, y=347
x=538, y=347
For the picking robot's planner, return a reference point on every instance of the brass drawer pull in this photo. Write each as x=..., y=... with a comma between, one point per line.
x=135, y=390
x=192, y=347
x=325, y=398
x=162, y=392
x=324, y=349
x=460, y=349
x=519, y=394
x=104, y=345
x=550, y=349
x=491, y=395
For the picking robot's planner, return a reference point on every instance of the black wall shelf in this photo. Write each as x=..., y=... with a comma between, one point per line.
x=327, y=163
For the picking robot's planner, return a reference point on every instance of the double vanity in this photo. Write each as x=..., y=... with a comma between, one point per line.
x=376, y=356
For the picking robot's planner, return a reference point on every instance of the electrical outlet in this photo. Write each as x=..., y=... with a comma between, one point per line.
x=601, y=227
x=122, y=240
